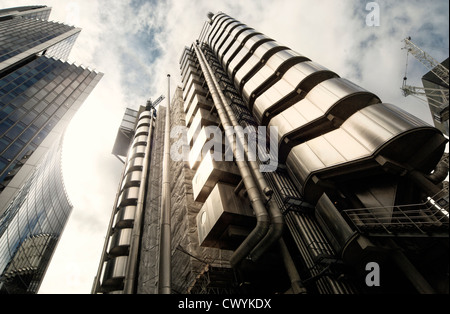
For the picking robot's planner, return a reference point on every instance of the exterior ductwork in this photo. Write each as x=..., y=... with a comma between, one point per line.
x=118, y=268
x=256, y=199
x=144, y=128
x=165, y=258
x=340, y=181
x=441, y=171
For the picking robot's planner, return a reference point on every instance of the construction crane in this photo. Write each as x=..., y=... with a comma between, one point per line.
x=428, y=61
x=435, y=97
x=153, y=104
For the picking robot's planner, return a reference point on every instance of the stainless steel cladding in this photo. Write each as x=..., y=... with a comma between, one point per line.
x=224, y=218
x=363, y=142
x=294, y=84
x=120, y=242
x=118, y=249
x=198, y=102
x=137, y=151
x=353, y=175
x=226, y=45
x=115, y=270
x=269, y=70
x=128, y=196
x=195, y=90
x=204, y=142
x=135, y=164
x=132, y=178
x=209, y=173
x=202, y=118
x=323, y=109
x=124, y=217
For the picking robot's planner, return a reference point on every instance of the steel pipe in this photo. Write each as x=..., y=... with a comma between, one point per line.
x=277, y=221
x=441, y=170
x=165, y=255
x=296, y=282
x=262, y=218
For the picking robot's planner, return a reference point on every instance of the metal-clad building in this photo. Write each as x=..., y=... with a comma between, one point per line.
x=325, y=182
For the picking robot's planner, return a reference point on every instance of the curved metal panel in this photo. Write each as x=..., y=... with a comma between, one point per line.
x=124, y=217
x=224, y=32
x=139, y=140
x=323, y=109
x=135, y=164
x=295, y=83
x=120, y=242
x=231, y=40
x=242, y=55
x=146, y=120
x=377, y=130
x=128, y=196
x=144, y=114
x=115, y=271
x=223, y=40
x=142, y=130
x=265, y=74
x=215, y=25
x=137, y=151
x=220, y=29
x=237, y=46
x=133, y=178
x=252, y=46
x=259, y=57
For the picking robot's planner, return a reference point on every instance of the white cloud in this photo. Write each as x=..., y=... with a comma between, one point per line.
x=331, y=33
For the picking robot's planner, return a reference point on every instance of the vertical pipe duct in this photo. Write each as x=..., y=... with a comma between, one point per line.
x=164, y=282
x=296, y=282
x=262, y=219
x=132, y=263
x=277, y=221
x=96, y=285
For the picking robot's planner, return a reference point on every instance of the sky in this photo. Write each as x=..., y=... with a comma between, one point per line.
x=136, y=43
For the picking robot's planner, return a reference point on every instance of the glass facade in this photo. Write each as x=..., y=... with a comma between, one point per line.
x=31, y=226
x=39, y=94
x=33, y=100
x=39, y=12
x=23, y=38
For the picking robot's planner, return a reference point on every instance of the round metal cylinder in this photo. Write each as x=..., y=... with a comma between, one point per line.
x=125, y=217
x=120, y=242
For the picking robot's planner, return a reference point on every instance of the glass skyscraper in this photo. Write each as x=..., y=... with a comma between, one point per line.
x=31, y=225
x=39, y=94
